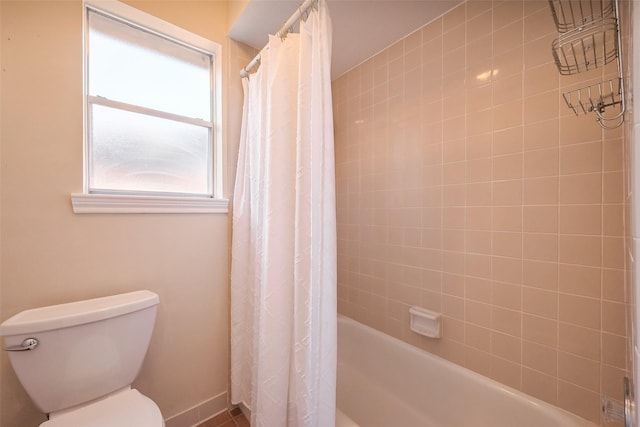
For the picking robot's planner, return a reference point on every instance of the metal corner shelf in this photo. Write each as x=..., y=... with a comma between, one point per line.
x=569, y=15
x=589, y=38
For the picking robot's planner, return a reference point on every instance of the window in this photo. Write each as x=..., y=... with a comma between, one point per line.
x=152, y=114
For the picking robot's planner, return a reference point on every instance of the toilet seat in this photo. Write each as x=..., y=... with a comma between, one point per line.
x=129, y=408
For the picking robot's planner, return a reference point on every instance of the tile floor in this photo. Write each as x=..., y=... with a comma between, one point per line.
x=232, y=418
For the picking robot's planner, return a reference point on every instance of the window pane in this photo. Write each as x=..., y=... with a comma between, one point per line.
x=135, y=152
x=129, y=65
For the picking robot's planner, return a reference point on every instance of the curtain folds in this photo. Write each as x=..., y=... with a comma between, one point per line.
x=283, y=272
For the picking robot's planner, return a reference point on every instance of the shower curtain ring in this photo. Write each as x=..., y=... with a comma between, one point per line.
x=284, y=31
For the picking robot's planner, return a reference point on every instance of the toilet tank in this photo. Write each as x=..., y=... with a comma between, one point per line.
x=86, y=349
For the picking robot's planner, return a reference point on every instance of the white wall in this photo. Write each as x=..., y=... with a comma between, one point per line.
x=50, y=255
x=634, y=155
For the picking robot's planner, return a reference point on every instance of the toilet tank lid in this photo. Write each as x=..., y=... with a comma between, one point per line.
x=77, y=313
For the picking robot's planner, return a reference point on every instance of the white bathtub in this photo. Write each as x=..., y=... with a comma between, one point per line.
x=384, y=382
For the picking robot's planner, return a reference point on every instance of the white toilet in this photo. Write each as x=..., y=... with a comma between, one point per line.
x=77, y=360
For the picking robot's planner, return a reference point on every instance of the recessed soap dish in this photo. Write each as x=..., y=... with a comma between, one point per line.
x=426, y=322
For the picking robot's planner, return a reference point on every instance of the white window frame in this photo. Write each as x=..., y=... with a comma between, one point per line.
x=87, y=202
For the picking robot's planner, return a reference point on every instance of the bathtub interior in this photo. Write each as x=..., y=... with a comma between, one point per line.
x=383, y=381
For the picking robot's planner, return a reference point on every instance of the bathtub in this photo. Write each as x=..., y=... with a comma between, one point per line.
x=385, y=382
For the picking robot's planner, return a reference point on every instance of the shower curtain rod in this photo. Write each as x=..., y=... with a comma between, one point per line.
x=282, y=33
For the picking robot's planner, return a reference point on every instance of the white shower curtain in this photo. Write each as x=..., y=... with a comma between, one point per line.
x=283, y=272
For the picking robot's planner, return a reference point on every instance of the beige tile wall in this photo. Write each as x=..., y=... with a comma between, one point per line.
x=466, y=186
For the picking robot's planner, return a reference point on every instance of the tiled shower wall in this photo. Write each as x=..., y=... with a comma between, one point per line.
x=466, y=186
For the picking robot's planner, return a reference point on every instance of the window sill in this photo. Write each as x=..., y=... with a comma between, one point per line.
x=107, y=203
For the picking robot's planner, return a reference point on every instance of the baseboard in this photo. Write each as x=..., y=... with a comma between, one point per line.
x=200, y=412
x=245, y=410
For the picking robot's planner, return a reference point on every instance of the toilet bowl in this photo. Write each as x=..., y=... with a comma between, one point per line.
x=77, y=360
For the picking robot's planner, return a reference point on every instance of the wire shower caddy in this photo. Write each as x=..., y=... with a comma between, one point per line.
x=589, y=38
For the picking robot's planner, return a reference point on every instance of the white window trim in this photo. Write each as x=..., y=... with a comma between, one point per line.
x=114, y=203
x=105, y=102
x=110, y=203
